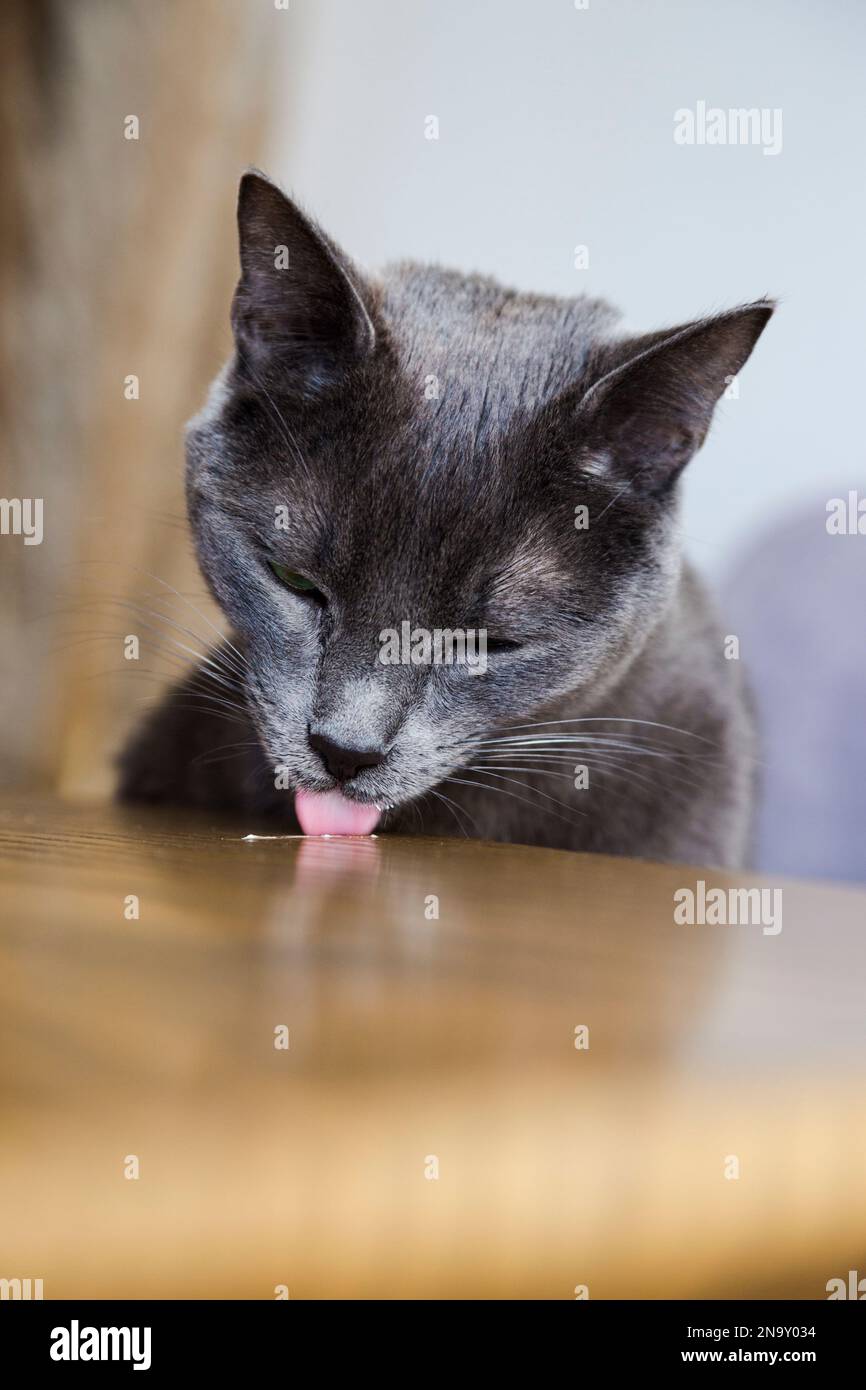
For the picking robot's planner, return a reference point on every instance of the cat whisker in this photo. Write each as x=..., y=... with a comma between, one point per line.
x=156, y=579
x=223, y=639
x=215, y=656
x=155, y=701
x=607, y=719
x=453, y=808
x=588, y=736
x=181, y=696
x=211, y=656
x=503, y=791
x=177, y=663
x=578, y=742
x=224, y=752
x=580, y=751
x=528, y=787
x=605, y=762
x=218, y=711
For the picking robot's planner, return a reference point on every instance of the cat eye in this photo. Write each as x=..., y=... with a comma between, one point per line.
x=503, y=644
x=297, y=582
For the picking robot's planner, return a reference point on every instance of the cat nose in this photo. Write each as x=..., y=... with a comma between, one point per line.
x=344, y=763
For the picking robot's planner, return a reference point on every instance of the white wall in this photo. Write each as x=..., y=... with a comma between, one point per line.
x=557, y=128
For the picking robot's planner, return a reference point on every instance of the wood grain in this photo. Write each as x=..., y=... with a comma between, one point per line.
x=412, y=1038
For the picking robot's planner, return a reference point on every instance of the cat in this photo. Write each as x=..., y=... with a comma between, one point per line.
x=432, y=448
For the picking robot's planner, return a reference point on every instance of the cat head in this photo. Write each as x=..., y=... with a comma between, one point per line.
x=431, y=449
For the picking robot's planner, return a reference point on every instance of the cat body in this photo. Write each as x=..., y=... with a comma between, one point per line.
x=431, y=448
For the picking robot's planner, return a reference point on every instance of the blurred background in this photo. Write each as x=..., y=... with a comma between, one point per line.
x=555, y=129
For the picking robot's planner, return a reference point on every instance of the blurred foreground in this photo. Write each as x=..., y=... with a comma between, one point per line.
x=390, y=1068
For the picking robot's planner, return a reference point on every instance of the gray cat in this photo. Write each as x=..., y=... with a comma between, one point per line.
x=430, y=448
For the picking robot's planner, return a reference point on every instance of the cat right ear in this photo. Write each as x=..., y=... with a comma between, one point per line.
x=298, y=317
x=650, y=410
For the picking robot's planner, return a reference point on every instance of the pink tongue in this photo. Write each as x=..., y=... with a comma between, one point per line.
x=329, y=813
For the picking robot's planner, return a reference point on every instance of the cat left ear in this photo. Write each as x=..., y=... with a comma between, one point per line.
x=298, y=316
x=647, y=415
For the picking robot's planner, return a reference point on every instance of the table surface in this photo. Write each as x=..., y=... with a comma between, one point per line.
x=436, y=1126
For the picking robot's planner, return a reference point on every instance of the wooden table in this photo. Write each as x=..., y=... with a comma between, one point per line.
x=432, y=1129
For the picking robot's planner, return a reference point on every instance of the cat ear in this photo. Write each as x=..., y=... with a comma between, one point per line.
x=298, y=317
x=648, y=413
